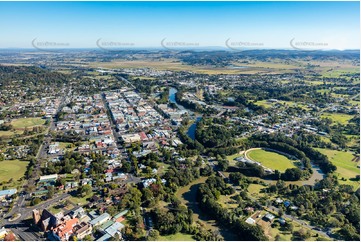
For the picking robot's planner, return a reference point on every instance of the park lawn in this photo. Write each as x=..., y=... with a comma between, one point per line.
x=345, y=161
x=55, y=210
x=22, y=123
x=14, y=169
x=177, y=237
x=65, y=146
x=338, y=117
x=231, y=159
x=271, y=159
x=80, y=200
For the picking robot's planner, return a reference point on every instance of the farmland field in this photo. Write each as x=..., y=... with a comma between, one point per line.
x=271, y=159
x=27, y=122
x=14, y=169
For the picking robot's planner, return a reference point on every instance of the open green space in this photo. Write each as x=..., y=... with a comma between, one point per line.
x=27, y=122
x=80, y=200
x=346, y=162
x=162, y=168
x=187, y=195
x=55, y=209
x=354, y=102
x=10, y=133
x=12, y=169
x=176, y=237
x=255, y=189
x=271, y=159
x=227, y=202
x=338, y=117
x=231, y=159
x=264, y=103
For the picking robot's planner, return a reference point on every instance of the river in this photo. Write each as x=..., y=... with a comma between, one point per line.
x=172, y=99
x=191, y=132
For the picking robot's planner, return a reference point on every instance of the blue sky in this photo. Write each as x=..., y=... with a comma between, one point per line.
x=145, y=24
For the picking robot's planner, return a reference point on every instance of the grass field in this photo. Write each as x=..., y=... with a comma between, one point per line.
x=176, y=237
x=10, y=133
x=264, y=103
x=255, y=189
x=67, y=146
x=227, y=202
x=271, y=159
x=345, y=162
x=338, y=117
x=355, y=102
x=231, y=159
x=22, y=123
x=80, y=200
x=14, y=169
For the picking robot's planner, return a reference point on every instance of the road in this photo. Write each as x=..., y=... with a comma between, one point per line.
x=26, y=212
x=19, y=226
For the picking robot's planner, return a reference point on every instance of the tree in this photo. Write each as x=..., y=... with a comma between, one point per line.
x=292, y=174
x=111, y=210
x=35, y=201
x=126, y=167
x=50, y=191
x=153, y=235
x=223, y=165
x=349, y=233
x=289, y=227
x=87, y=238
x=84, y=190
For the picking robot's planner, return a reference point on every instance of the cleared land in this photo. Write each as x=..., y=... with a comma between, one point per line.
x=27, y=122
x=271, y=159
x=12, y=169
x=338, y=117
x=10, y=133
x=346, y=162
x=231, y=159
x=264, y=103
x=176, y=237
